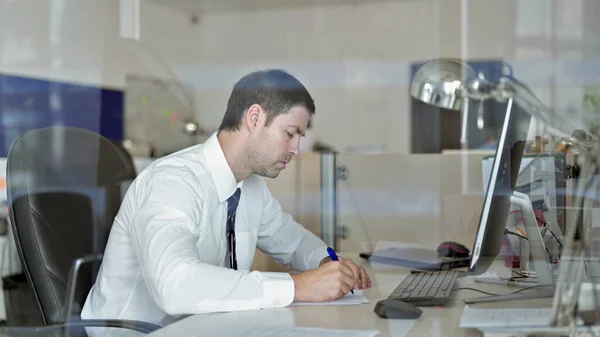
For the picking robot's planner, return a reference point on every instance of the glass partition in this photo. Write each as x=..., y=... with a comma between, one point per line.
x=154, y=77
x=413, y=199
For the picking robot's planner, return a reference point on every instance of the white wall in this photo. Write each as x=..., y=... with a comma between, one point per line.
x=79, y=41
x=353, y=58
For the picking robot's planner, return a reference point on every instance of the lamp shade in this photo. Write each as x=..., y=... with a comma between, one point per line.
x=441, y=83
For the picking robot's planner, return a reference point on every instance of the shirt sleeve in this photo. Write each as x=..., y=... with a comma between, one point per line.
x=165, y=236
x=288, y=242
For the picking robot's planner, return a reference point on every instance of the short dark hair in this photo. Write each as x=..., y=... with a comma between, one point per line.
x=274, y=90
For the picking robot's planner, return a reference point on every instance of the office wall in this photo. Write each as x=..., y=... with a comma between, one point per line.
x=64, y=62
x=79, y=41
x=354, y=58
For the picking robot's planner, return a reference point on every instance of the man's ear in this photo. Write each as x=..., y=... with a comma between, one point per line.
x=253, y=117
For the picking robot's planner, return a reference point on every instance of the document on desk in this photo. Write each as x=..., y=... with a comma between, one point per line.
x=506, y=317
x=350, y=299
x=277, y=331
x=486, y=319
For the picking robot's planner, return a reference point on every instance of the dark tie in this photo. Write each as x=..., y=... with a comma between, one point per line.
x=232, y=204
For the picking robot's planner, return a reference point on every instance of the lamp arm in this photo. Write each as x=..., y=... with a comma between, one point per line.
x=525, y=98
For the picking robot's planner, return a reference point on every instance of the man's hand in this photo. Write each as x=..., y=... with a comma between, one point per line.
x=326, y=283
x=361, y=278
x=330, y=281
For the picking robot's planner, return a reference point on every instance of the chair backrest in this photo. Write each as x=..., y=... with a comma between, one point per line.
x=57, y=179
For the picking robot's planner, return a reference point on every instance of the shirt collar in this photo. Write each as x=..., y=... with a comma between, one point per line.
x=219, y=168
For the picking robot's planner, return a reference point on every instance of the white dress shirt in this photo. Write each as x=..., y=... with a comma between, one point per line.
x=166, y=253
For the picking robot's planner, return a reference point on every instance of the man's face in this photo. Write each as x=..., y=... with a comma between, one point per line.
x=272, y=147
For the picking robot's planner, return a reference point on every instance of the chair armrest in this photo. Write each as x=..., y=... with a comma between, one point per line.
x=72, y=281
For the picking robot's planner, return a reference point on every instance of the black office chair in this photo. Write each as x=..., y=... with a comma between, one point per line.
x=54, y=176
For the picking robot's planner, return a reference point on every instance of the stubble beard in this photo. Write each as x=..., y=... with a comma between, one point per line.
x=257, y=157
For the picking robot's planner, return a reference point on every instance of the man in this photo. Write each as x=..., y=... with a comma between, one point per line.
x=185, y=236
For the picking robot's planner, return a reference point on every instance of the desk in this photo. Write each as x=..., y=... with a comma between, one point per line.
x=435, y=322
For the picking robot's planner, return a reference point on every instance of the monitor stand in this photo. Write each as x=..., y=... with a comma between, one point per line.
x=536, y=252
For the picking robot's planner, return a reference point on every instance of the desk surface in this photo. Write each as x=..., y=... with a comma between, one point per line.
x=435, y=322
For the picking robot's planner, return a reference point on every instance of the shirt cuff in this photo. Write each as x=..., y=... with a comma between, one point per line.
x=316, y=257
x=278, y=290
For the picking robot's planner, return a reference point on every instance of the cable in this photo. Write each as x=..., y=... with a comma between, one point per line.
x=506, y=231
x=522, y=279
x=531, y=287
x=541, y=221
x=544, y=225
x=477, y=290
x=587, y=273
x=557, y=240
x=494, y=294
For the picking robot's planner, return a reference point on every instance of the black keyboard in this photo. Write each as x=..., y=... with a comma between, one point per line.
x=427, y=288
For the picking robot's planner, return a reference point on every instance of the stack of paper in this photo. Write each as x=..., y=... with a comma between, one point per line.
x=350, y=299
x=509, y=319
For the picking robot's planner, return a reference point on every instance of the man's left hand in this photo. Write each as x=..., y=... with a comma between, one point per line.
x=361, y=278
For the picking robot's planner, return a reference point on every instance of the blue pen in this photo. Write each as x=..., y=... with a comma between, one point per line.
x=333, y=256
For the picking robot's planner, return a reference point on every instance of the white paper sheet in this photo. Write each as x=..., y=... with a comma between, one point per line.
x=487, y=319
x=274, y=331
x=274, y=322
x=350, y=299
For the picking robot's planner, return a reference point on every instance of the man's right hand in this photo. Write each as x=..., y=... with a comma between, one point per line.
x=328, y=282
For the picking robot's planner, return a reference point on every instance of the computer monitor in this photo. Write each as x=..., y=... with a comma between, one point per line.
x=496, y=205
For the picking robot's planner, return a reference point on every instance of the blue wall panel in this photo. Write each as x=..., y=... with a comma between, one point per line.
x=112, y=121
x=29, y=103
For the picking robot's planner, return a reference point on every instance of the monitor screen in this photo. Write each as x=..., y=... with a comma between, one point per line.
x=496, y=205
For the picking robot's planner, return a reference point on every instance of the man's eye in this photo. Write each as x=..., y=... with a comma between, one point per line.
x=289, y=134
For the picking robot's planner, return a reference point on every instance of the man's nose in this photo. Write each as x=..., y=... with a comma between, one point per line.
x=295, y=146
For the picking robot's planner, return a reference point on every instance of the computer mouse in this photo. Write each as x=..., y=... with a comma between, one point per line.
x=452, y=249
x=392, y=308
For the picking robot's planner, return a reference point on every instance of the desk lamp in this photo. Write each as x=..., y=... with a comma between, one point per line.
x=450, y=84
